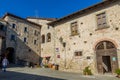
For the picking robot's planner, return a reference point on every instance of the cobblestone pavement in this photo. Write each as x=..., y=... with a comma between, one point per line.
x=23, y=73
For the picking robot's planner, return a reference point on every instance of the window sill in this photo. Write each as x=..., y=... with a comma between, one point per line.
x=101, y=28
x=77, y=57
x=48, y=41
x=74, y=34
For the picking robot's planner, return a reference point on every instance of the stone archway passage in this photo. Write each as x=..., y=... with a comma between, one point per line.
x=9, y=53
x=106, y=57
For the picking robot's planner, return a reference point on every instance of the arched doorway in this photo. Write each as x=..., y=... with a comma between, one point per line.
x=106, y=55
x=9, y=53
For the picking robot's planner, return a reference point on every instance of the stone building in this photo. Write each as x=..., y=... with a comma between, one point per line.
x=47, y=38
x=22, y=39
x=3, y=28
x=89, y=37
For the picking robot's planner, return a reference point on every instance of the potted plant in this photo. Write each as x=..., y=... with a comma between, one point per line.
x=118, y=72
x=46, y=65
x=87, y=71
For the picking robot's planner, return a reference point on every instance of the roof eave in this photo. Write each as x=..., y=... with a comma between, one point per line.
x=78, y=12
x=9, y=14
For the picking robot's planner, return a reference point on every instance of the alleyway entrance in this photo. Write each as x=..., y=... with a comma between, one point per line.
x=10, y=54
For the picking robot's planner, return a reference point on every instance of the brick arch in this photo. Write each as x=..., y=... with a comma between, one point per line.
x=104, y=39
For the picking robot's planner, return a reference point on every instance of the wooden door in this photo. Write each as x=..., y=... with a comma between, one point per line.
x=106, y=56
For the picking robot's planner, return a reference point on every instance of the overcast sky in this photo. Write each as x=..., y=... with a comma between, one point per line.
x=43, y=8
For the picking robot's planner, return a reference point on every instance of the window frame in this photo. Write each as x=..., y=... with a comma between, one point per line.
x=12, y=37
x=78, y=53
x=25, y=29
x=36, y=32
x=13, y=26
x=48, y=27
x=106, y=20
x=35, y=42
x=25, y=39
x=76, y=25
x=43, y=39
x=48, y=37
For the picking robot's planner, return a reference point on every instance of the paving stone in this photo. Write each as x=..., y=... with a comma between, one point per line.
x=24, y=73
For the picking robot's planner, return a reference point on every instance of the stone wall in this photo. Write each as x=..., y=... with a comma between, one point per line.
x=47, y=48
x=64, y=55
x=27, y=51
x=87, y=38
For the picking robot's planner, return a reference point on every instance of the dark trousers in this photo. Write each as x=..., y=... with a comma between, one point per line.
x=4, y=68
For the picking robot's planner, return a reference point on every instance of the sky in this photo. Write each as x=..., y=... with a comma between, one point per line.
x=43, y=8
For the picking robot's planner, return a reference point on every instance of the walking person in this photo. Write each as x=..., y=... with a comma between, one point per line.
x=4, y=64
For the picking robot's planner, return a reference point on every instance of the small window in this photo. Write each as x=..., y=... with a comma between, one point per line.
x=43, y=38
x=58, y=56
x=25, y=39
x=88, y=57
x=74, y=28
x=29, y=50
x=48, y=37
x=25, y=29
x=48, y=27
x=2, y=27
x=13, y=26
x=36, y=33
x=35, y=41
x=101, y=20
x=12, y=37
x=78, y=53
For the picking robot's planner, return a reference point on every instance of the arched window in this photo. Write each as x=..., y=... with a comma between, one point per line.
x=48, y=37
x=43, y=38
x=105, y=45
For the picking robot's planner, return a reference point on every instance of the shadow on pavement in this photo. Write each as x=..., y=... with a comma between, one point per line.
x=10, y=75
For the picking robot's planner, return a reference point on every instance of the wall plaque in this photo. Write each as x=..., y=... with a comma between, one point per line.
x=113, y=58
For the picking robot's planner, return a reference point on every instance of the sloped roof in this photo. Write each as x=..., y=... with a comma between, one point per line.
x=48, y=19
x=2, y=20
x=12, y=15
x=83, y=11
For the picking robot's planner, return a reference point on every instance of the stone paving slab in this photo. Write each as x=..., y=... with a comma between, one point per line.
x=23, y=73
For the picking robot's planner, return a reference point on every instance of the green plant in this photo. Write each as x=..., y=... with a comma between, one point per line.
x=87, y=71
x=46, y=65
x=117, y=71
